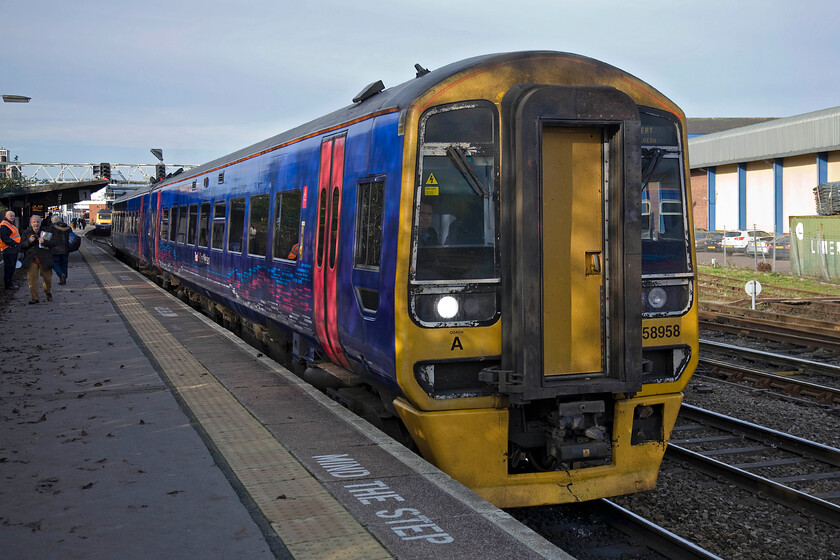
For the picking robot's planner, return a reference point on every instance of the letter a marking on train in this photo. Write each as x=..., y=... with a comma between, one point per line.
x=456, y=343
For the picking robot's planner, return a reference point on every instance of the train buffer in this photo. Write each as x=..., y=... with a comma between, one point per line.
x=135, y=428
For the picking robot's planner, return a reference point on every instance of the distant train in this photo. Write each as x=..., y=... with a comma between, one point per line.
x=104, y=217
x=499, y=251
x=102, y=222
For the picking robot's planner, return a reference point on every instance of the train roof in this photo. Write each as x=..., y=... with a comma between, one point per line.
x=371, y=100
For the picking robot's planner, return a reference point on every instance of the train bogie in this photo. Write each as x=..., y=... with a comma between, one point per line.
x=497, y=250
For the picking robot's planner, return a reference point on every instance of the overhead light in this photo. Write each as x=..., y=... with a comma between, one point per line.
x=16, y=99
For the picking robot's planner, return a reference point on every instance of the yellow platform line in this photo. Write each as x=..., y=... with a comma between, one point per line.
x=309, y=521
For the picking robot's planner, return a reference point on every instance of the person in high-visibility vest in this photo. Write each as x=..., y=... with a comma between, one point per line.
x=9, y=242
x=294, y=253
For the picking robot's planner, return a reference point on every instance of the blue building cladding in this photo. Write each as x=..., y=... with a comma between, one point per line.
x=710, y=174
x=822, y=168
x=778, y=191
x=742, y=196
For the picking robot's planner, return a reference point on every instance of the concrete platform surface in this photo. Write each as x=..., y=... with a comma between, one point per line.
x=133, y=427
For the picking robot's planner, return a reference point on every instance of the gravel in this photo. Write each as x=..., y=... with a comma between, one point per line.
x=724, y=519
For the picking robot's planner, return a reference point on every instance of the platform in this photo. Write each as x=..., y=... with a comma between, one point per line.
x=134, y=427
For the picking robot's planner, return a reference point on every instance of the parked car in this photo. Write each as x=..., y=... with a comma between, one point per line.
x=715, y=243
x=700, y=239
x=782, y=244
x=737, y=240
x=765, y=247
x=707, y=241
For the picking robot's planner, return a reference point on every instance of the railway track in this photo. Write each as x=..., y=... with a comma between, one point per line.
x=786, y=382
x=657, y=538
x=776, y=359
x=802, y=333
x=794, y=472
x=769, y=290
x=604, y=529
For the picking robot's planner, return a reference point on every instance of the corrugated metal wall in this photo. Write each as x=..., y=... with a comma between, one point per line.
x=815, y=246
x=809, y=133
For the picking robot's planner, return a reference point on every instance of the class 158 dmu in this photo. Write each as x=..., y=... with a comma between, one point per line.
x=493, y=260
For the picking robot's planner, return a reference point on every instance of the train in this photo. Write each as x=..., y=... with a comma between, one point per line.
x=492, y=261
x=103, y=222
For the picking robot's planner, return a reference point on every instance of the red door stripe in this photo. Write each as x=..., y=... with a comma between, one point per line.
x=332, y=250
x=321, y=243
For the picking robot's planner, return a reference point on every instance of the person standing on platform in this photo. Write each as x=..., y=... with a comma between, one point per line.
x=9, y=246
x=61, y=250
x=36, y=245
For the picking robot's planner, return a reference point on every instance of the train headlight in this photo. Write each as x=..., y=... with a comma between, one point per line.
x=666, y=296
x=447, y=307
x=657, y=298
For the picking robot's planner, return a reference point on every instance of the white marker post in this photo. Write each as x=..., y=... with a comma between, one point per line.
x=753, y=288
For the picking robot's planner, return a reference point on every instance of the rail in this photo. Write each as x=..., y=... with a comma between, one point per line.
x=769, y=440
x=655, y=537
x=766, y=380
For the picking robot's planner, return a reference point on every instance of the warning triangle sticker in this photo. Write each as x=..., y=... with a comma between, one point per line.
x=431, y=180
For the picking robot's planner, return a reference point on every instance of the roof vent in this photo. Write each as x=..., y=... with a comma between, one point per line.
x=420, y=70
x=369, y=91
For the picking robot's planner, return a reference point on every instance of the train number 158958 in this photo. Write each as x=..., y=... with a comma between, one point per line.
x=661, y=331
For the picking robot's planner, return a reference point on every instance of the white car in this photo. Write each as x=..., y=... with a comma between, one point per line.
x=737, y=240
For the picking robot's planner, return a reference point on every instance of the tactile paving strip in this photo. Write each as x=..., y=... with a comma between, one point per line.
x=310, y=522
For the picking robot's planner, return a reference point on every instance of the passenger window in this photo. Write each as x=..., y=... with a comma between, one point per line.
x=258, y=225
x=236, y=224
x=182, y=224
x=322, y=226
x=173, y=223
x=203, y=224
x=369, y=224
x=286, y=221
x=191, y=225
x=164, y=223
x=334, y=225
x=218, y=237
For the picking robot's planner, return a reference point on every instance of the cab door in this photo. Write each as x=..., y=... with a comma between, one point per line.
x=571, y=306
x=572, y=210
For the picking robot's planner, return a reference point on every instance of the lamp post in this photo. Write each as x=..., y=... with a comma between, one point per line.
x=16, y=99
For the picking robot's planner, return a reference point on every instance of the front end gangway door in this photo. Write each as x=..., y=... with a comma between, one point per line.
x=571, y=243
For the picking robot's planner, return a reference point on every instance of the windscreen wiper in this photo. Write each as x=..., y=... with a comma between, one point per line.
x=657, y=154
x=458, y=157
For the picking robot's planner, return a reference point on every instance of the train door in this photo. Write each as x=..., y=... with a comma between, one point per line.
x=572, y=210
x=157, y=225
x=327, y=245
x=572, y=285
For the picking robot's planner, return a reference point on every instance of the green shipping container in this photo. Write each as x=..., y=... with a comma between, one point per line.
x=815, y=247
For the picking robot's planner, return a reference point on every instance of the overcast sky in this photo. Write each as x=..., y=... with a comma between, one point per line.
x=201, y=78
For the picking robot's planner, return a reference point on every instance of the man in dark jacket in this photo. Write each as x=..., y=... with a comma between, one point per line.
x=36, y=244
x=9, y=246
x=61, y=250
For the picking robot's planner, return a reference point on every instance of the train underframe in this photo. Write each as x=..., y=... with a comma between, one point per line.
x=557, y=450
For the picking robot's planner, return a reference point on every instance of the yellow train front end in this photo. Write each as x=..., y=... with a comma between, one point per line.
x=545, y=319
